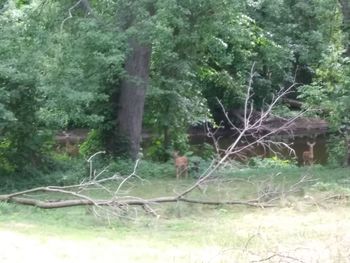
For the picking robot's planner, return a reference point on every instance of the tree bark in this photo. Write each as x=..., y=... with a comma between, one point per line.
x=85, y=5
x=133, y=93
x=345, y=8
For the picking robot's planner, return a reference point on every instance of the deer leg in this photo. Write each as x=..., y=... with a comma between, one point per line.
x=182, y=170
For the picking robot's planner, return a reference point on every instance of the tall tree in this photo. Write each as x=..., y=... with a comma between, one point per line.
x=345, y=8
x=181, y=30
x=137, y=69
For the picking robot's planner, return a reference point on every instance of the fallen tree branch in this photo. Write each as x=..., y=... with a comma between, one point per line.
x=337, y=197
x=244, y=203
x=122, y=202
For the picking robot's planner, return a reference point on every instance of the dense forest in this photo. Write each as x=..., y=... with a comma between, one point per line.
x=119, y=67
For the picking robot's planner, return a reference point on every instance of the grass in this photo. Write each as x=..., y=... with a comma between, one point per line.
x=191, y=233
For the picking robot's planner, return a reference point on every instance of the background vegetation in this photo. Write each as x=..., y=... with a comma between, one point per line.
x=65, y=64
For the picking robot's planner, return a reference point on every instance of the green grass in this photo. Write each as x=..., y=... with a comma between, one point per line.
x=194, y=233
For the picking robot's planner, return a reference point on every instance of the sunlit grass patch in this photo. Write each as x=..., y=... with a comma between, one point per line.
x=300, y=227
x=242, y=235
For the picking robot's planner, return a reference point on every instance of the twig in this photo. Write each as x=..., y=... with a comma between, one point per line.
x=127, y=178
x=70, y=13
x=280, y=256
x=90, y=160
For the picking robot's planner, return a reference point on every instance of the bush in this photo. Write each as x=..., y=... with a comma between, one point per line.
x=145, y=169
x=92, y=143
x=273, y=162
x=337, y=151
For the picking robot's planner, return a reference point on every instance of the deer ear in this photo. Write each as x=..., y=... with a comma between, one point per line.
x=310, y=144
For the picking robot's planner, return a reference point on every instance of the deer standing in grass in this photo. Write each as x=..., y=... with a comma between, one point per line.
x=181, y=165
x=308, y=156
x=69, y=147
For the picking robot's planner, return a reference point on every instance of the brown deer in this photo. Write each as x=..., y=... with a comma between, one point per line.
x=69, y=147
x=181, y=165
x=308, y=156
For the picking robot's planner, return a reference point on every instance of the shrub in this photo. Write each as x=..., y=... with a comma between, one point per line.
x=273, y=162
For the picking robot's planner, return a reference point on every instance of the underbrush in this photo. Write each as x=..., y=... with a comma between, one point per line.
x=67, y=171
x=153, y=180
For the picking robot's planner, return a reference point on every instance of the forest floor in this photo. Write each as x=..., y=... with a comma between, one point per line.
x=296, y=231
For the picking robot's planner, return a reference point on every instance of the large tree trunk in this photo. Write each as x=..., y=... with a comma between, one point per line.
x=345, y=8
x=133, y=93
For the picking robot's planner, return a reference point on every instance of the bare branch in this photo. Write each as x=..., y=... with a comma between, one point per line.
x=90, y=161
x=279, y=256
x=70, y=13
x=127, y=178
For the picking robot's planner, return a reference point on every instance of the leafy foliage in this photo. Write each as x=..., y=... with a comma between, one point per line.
x=273, y=162
x=21, y=134
x=61, y=65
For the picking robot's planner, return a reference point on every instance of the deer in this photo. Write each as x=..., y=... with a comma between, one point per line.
x=70, y=148
x=308, y=156
x=181, y=165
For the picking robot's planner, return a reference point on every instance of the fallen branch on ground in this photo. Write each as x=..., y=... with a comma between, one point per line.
x=123, y=202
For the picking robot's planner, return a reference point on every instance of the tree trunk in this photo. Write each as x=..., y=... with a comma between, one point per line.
x=347, y=145
x=133, y=93
x=166, y=144
x=345, y=8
